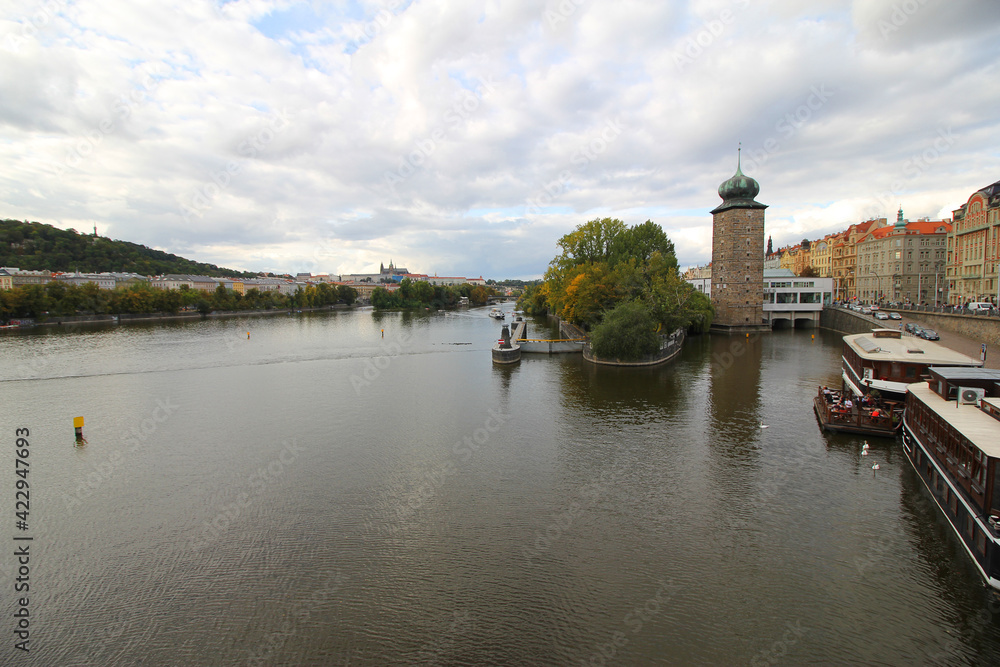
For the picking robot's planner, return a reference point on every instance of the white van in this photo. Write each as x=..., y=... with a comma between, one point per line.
x=979, y=306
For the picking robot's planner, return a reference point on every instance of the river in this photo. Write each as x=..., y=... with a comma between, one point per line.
x=354, y=488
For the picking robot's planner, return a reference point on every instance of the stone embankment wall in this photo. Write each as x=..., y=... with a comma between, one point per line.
x=848, y=321
x=976, y=327
x=567, y=330
x=670, y=347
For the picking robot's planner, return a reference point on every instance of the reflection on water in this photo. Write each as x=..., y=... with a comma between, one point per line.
x=321, y=494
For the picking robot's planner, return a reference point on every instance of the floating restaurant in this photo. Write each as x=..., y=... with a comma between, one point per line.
x=951, y=437
x=887, y=361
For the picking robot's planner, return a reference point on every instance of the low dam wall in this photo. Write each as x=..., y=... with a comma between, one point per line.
x=551, y=346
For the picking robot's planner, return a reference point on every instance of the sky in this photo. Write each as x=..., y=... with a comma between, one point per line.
x=463, y=138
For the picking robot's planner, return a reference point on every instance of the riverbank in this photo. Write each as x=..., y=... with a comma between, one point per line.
x=126, y=318
x=845, y=321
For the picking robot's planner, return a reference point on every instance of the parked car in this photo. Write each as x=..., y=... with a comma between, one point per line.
x=879, y=315
x=895, y=316
x=865, y=310
x=979, y=306
x=911, y=327
x=874, y=307
x=929, y=334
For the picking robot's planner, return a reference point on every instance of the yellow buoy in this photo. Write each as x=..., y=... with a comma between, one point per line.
x=78, y=427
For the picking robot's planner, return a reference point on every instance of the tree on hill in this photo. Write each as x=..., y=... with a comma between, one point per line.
x=35, y=246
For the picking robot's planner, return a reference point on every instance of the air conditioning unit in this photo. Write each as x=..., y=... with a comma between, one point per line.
x=970, y=395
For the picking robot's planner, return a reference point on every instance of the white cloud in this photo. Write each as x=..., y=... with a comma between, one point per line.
x=158, y=122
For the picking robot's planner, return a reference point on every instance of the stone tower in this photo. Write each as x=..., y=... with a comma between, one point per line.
x=738, y=257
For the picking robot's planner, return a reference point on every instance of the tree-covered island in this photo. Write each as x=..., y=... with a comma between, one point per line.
x=621, y=285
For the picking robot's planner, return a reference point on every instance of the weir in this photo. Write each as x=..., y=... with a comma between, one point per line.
x=508, y=350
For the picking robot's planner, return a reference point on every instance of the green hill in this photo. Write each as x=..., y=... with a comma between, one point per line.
x=35, y=246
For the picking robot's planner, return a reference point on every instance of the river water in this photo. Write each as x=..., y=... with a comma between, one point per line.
x=354, y=488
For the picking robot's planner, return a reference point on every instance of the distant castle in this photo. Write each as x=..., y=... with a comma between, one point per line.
x=392, y=270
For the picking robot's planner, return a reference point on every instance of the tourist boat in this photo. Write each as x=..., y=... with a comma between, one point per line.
x=881, y=418
x=497, y=314
x=887, y=361
x=951, y=436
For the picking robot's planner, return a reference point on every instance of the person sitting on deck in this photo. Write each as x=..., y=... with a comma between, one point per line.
x=848, y=403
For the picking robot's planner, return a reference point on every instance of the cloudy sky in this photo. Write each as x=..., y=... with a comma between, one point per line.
x=463, y=138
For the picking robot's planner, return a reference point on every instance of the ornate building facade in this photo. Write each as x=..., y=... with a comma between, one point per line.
x=903, y=263
x=974, y=248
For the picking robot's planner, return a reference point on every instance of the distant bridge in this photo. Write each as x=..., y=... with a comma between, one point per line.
x=500, y=299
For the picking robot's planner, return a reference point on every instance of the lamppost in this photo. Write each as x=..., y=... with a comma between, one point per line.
x=996, y=270
x=878, y=284
x=937, y=290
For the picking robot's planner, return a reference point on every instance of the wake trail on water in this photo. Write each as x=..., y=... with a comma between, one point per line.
x=261, y=362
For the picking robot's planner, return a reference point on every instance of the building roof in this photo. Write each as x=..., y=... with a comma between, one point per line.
x=779, y=273
x=991, y=193
x=991, y=190
x=958, y=373
x=909, y=349
x=982, y=430
x=916, y=227
x=738, y=191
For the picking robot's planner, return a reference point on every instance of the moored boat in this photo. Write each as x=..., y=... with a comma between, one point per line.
x=875, y=417
x=951, y=437
x=887, y=361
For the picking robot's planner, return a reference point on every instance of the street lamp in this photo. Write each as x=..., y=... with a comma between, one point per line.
x=878, y=285
x=937, y=290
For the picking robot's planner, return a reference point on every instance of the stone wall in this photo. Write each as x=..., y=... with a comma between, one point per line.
x=978, y=328
x=850, y=322
x=738, y=267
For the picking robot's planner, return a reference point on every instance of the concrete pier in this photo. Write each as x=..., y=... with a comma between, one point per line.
x=507, y=350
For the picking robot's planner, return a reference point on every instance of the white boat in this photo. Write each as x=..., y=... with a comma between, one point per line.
x=886, y=360
x=497, y=314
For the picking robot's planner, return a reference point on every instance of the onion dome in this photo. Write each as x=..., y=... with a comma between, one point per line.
x=739, y=191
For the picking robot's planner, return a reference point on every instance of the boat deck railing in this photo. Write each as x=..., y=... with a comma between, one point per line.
x=887, y=418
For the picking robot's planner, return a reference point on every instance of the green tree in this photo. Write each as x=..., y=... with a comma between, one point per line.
x=594, y=241
x=628, y=333
x=423, y=291
x=603, y=263
x=347, y=294
x=383, y=299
